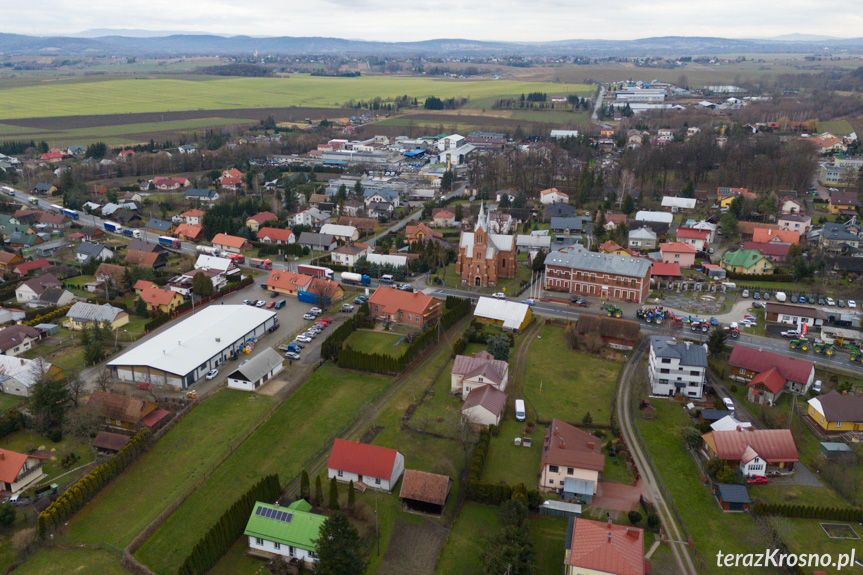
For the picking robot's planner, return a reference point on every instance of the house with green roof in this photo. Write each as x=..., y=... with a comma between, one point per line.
x=286, y=531
x=749, y=262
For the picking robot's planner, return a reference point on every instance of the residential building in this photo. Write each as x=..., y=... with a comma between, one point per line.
x=18, y=375
x=17, y=339
x=788, y=205
x=840, y=237
x=231, y=244
x=170, y=184
x=407, y=308
x=151, y=260
x=25, y=268
x=8, y=260
x=643, y=239
x=774, y=251
x=52, y=296
x=290, y=532
x=600, y=548
x=769, y=374
x=675, y=204
x=748, y=262
x=612, y=247
x=193, y=217
x=187, y=350
x=843, y=202
x=424, y=492
x=311, y=217
x=348, y=254
x=676, y=368
x=160, y=227
x=318, y=242
x=420, y=233
x=288, y=283
x=612, y=220
x=376, y=467
x=508, y=315
x=694, y=237
x=189, y=233
x=835, y=413
x=208, y=196
x=570, y=453
x=768, y=235
x=18, y=471
x=84, y=315
x=753, y=451
x=255, y=222
x=232, y=180
x=794, y=314
x=485, y=257
x=477, y=370
x=568, y=226
x=484, y=405
x=343, y=233
x=33, y=288
x=678, y=253
x=532, y=242
x=161, y=300
x=86, y=252
x=795, y=222
x=577, y=271
x=557, y=211
x=121, y=411
x=443, y=217
x=553, y=196
x=257, y=371
x=366, y=225
x=276, y=236
x=182, y=283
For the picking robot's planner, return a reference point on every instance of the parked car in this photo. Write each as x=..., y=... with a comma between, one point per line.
x=260, y=303
x=297, y=344
x=499, y=295
x=271, y=305
x=327, y=320
x=830, y=302
x=841, y=303
x=316, y=311
x=821, y=301
x=745, y=293
x=213, y=373
x=852, y=304
x=309, y=316
x=757, y=305
x=757, y=480
x=729, y=404
x=817, y=386
x=756, y=295
x=580, y=302
x=810, y=299
x=347, y=308
x=304, y=339
x=788, y=333
x=249, y=302
x=292, y=355
x=801, y=299
x=274, y=294
x=765, y=296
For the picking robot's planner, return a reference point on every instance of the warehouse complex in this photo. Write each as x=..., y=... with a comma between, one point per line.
x=184, y=353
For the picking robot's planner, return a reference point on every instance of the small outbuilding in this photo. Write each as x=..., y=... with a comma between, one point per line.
x=424, y=492
x=732, y=497
x=509, y=315
x=259, y=370
x=108, y=442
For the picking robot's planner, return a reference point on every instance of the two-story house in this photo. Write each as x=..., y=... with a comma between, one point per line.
x=414, y=309
x=570, y=455
x=477, y=370
x=676, y=368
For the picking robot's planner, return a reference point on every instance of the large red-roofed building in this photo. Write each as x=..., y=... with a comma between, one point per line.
x=375, y=466
x=410, y=308
x=598, y=548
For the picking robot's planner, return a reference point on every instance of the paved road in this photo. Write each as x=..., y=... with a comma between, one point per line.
x=678, y=546
x=594, y=117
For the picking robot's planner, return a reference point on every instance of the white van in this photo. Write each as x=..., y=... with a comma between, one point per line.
x=386, y=279
x=519, y=410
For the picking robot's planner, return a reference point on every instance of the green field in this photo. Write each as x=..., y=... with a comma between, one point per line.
x=11, y=131
x=184, y=455
x=384, y=343
x=300, y=428
x=507, y=463
x=53, y=561
x=59, y=97
x=836, y=127
x=567, y=384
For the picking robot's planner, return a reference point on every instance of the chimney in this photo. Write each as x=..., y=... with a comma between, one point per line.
x=630, y=532
x=687, y=344
x=609, y=535
x=562, y=444
x=473, y=355
x=591, y=445
x=2, y=456
x=22, y=361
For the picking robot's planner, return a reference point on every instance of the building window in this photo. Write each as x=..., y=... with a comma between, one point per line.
x=340, y=473
x=552, y=468
x=277, y=546
x=259, y=541
x=377, y=481
x=570, y=470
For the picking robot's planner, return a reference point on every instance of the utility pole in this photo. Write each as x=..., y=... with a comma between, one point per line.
x=377, y=532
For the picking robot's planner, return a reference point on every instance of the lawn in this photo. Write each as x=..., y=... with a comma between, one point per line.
x=711, y=529
x=8, y=401
x=549, y=539
x=296, y=432
x=836, y=127
x=617, y=469
x=567, y=384
x=508, y=463
x=183, y=456
x=25, y=440
x=54, y=561
x=796, y=495
x=807, y=536
x=132, y=95
x=382, y=342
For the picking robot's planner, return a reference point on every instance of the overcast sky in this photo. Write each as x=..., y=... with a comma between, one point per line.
x=388, y=20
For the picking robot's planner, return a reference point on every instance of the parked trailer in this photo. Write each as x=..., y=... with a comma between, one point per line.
x=316, y=271
x=113, y=227
x=209, y=250
x=260, y=263
x=169, y=242
x=356, y=279
x=70, y=213
x=56, y=208
x=237, y=258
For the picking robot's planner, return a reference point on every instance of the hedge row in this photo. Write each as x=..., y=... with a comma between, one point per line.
x=784, y=278
x=808, y=511
x=222, y=535
x=332, y=346
x=493, y=493
x=49, y=316
x=89, y=486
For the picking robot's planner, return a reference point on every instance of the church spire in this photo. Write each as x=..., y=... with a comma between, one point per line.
x=481, y=219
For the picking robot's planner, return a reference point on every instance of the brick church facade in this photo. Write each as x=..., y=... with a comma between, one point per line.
x=485, y=257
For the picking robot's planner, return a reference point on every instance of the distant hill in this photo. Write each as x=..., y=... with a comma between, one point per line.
x=142, y=43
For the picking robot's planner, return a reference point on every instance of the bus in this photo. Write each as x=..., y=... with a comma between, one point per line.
x=169, y=242
x=70, y=213
x=56, y=208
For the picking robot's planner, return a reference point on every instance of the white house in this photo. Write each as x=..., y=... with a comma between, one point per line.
x=223, y=265
x=484, y=405
x=385, y=259
x=553, y=196
x=344, y=233
x=34, y=287
x=348, y=254
x=20, y=374
x=472, y=371
x=377, y=467
x=676, y=204
x=257, y=371
x=311, y=217
x=656, y=217
x=676, y=368
x=287, y=531
x=705, y=225
x=643, y=239
x=87, y=252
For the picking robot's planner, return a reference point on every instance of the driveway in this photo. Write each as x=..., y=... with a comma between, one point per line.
x=801, y=477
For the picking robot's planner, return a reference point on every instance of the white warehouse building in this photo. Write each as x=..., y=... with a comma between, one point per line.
x=184, y=353
x=676, y=368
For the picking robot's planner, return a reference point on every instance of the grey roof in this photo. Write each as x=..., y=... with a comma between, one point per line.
x=258, y=366
x=835, y=447
x=642, y=234
x=558, y=210
x=578, y=486
x=388, y=194
x=579, y=258
x=693, y=355
x=199, y=193
x=315, y=239
x=90, y=250
x=838, y=232
x=52, y=294
x=732, y=493
x=574, y=223
x=160, y=225
x=83, y=311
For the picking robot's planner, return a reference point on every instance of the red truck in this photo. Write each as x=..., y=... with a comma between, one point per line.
x=316, y=271
x=260, y=264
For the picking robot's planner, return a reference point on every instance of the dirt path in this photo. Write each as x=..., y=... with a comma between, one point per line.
x=680, y=551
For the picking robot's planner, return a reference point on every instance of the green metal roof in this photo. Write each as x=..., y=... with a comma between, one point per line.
x=300, y=505
x=301, y=531
x=744, y=258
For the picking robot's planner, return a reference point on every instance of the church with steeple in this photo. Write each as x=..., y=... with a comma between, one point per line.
x=483, y=256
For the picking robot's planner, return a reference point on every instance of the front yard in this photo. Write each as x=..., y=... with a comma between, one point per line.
x=513, y=464
x=381, y=342
x=26, y=440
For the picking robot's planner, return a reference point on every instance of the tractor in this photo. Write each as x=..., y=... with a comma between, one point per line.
x=823, y=347
x=732, y=330
x=800, y=342
x=612, y=310
x=857, y=355
x=651, y=314
x=700, y=325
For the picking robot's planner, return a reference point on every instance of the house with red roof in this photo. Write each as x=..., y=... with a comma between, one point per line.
x=188, y=232
x=613, y=220
x=599, y=548
x=408, y=308
x=18, y=471
x=288, y=283
x=553, y=196
x=278, y=236
x=774, y=251
x=255, y=222
x=231, y=244
x=767, y=235
x=170, y=184
x=484, y=405
x=612, y=247
x=420, y=233
x=375, y=466
x=677, y=253
x=769, y=374
x=161, y=300
x=443, y=217
x=665, y=271
x=754, y=451
x=478, y=370
x=194, y=217
x=25, y=268
x=568, y=453
x=231, y=179
x=695, y=237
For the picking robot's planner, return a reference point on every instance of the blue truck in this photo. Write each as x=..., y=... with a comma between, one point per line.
x=355, y=279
